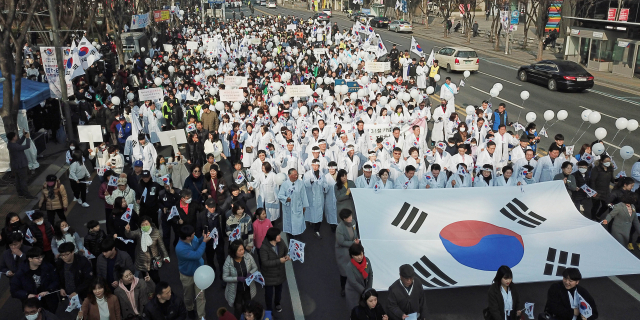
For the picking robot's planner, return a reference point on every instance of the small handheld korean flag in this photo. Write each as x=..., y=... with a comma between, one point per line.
x=113, y=181
x=518, y=126
x=74, y=303
x=585, y=308
x=239, y=178
x=461, y=170
x=174, y=213
x=165, y=179
x=461, y=83
x=376, y=187
x=29, y=236
x=235, y=234
x=621, y=174
x=296, y=248
x=126, y=216
x=543, y=132
x=257, y=277
x=528, y=310
x=191, y=127
x=101, y=170
x=587, y=157
x=590, y=192
x=215, y=237
x=144, y=195
x=124, y=240
x=88, y=254
x=29, y=214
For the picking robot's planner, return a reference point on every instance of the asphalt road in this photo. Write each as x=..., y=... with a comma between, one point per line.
x=317, y=279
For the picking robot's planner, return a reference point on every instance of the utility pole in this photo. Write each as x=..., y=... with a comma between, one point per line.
x=63, y=82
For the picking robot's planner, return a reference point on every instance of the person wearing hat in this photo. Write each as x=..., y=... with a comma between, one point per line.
x=373, y=161
x=350, y=162
x=133, y=177
x=367, y=179
x=147, y=198
x=145, y=152
x=53, y=198
x=123, y=131
x=315, y=185
x=393, y=56
x=406, y=296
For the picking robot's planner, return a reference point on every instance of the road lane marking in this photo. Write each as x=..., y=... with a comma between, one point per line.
x=498, y=97
x=608, y=95
x=294, y=293
x=602, y=113
x=499, y=64
x=490, y=75
x=625, y=287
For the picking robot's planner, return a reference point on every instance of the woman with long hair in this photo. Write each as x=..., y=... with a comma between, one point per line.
x=504, y=301
x=344, y=198
x=12, y=223
x=600, y=180
x=100, y=304
x=63, y=233
x=369, y=308
x=54, y=198
x=133, y=293
x=213, y=145
x=119, y=225
x=78, y=174
x=237, y=267
x=195, y=150
x=196, y=183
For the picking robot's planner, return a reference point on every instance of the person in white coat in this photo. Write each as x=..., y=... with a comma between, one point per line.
x=395, y=141
x=249, y=146
x=153, y=120
x=484, y=178
x=145, y=152
x=548, y=166
x=330, y=208
x=503, y=139
x=443, y=158
x=506, y=178
x=635, y=174
x=421, y=72
x=460, y=179
x=315, y=187
x=293, y=197
x=448, y=92
x=350, y=163
x=435, y=179
x=367, y=180
x=489, y=156
x=518, y=152
x=383, y=181
x=266, y=190
x=414, y=140
x=527, y=160
x=462, y=157
x=440, y=116
x=373, y=163
x=290, y=158
x=408, y=180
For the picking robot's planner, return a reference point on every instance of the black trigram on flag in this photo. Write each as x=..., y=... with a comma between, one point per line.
x=519, y=212
x=410, y=219
x=430, y=275
x=560, y=261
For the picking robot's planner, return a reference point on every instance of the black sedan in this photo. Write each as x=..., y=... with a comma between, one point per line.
x=557, y=74
x=380, y=22
x=321, y=16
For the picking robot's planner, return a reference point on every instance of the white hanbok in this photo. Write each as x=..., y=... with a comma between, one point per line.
x=266, y=190
x=315, y=188
x=330, y=208
x=439, y=118
x=546, y=169
x=460, y=182
x=402, y=182
x=147, y=154
x=293, y=212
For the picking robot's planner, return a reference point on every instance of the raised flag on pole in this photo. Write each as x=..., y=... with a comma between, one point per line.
x=382, y=50
x=29, y=214
x=173, y=213
x=72, y=66
x=432, y=57
x=415, y=47
x=88, y=53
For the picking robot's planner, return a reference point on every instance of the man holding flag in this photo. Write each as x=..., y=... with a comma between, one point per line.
x=415, y=47
x=568, y=301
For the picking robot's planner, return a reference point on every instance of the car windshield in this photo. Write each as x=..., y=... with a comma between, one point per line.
x=467, y=54
x=570, y=67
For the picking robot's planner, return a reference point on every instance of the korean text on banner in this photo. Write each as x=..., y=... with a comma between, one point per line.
x=50, y=65
x=139, y=21
x=167, y=47
x=319, y=51
x=192, y=45
x=291, y=27
x=378, y=131
x=161, y=15
x=255, y=41
x=152, y=94
x=231, y=95
x=232, y=81
x=371, y=66
x=298, y=90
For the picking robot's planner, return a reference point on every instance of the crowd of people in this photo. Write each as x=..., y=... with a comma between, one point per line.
x=297, y=156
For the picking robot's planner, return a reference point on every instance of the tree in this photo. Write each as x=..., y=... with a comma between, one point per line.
x=541, y=22
x=468, y=17
x=446, y=7
x=530, y=17
x=16, y=17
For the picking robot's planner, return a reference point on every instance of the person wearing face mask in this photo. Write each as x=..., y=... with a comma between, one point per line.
x=33, y=310
x=601, y=178
x=53, y=198
x=36, y=278
x=579, y=197
x=12, y=225
x=43, y=234
x=150, y=250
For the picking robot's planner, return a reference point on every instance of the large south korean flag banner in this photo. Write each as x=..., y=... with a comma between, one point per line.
x=460, y=237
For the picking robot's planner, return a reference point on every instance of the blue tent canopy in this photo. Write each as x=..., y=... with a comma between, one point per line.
x=32, y=92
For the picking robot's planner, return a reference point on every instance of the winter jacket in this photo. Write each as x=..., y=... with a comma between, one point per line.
x=22, y=284
x=601, y=180
x=196, y=186
x=122, y=259
x=210, y=121
x=8, y=263
x=246, y=228
x=559, y=306
x=59, y=200
x=496, y=302
x=190, y=255
x=230, y=276
x=92, y=241
x=143, y=292
x=82, y=271
x=190, y=217
x=91, y=311
x=155, y=250
x=37, y=234
x=273, y=270
x=177, y=310
x=128, y=194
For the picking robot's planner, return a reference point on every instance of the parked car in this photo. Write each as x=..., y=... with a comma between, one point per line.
x=321, y=16
x=557, y=75
x=263, y=2
x=458, y=59
x=400, y=26
x=327, y=11
x=379, y=22
x=271, y=4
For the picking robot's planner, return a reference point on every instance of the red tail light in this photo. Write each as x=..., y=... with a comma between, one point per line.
x=478, y=61
x=589, y=78
x=457, y=61
x=569, y=78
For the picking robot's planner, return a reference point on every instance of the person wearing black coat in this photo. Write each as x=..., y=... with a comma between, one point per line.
x=208, y=220
x=273, y=255
x=579, y=197
x=149, y=203
x=191, y=216
x=369, y=307
x=41, y=228
x=169, y=197
x=501, y=291
x=400, y=302
x=601, y=179
x=12, y=224
x=34, y=278
x=559, y=305
x=165, y=305
x=78, y=266
x=195, y=150
x=195, y=182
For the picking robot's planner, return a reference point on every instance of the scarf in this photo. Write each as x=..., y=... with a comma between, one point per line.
x=145, y=239
x=346, y=185
x=130, y=293
x=362, y=267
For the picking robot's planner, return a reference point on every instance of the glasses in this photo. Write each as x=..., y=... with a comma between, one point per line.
x=196, y=171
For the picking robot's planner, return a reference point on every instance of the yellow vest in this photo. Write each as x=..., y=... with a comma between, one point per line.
x=433, y=71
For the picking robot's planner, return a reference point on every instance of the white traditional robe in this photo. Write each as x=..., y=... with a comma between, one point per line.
x=546, y=170
x=361, y=182
x=147, y=154
x=293, y=221
x=459, y=181
x=266, y=190
x=402, y=182
x=315, y=188
x=330, y=208
x=439, y=118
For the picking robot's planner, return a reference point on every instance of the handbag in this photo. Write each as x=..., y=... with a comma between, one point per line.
x=156, y=263
x=248, y=150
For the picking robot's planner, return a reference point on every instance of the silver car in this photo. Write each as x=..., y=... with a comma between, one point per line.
x=400, y=26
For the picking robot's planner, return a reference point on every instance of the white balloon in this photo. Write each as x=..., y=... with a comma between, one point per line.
x=280, y=178
x=213, y=91
x=130, y=96
x=562, y=115
x=285, y=97
x=470, y=110
x=238, y=81
x=172, y=69
x=329, y=100
x=157, y=81
x=237, y=106
x=524, y=95
x=393, y=103
x=204, y=275
x=273, y=111
x=436, y=77
x=319, y=80
x=197, y=78
x=354, y=96
x=115, y=101
x=430, y=89
x=147, y=61
x=155, y=68
x=494, y=92
x=361, y=93
x=374, y=87
x=303, y=110
x=601, y=133
x=319, y=91
x=585, y=115
x=344, y=89
x=626, y=152
x=269, y=65
x=498, y=86
x=275, y=99
x=621, y=123
x=364, y=80
x=548, y=115
x=384, y=100
x=220, y=106
x=182, y=68
x=597, y=149
x=531, y=117
x=142, y=49
x=327, y=80
x=165, y=58
x=414, y=94
x=594, y=117
x=406, y=97
x=467, y=74
x=632, y=125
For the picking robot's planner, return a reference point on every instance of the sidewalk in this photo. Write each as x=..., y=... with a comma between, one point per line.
x=517, y=56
